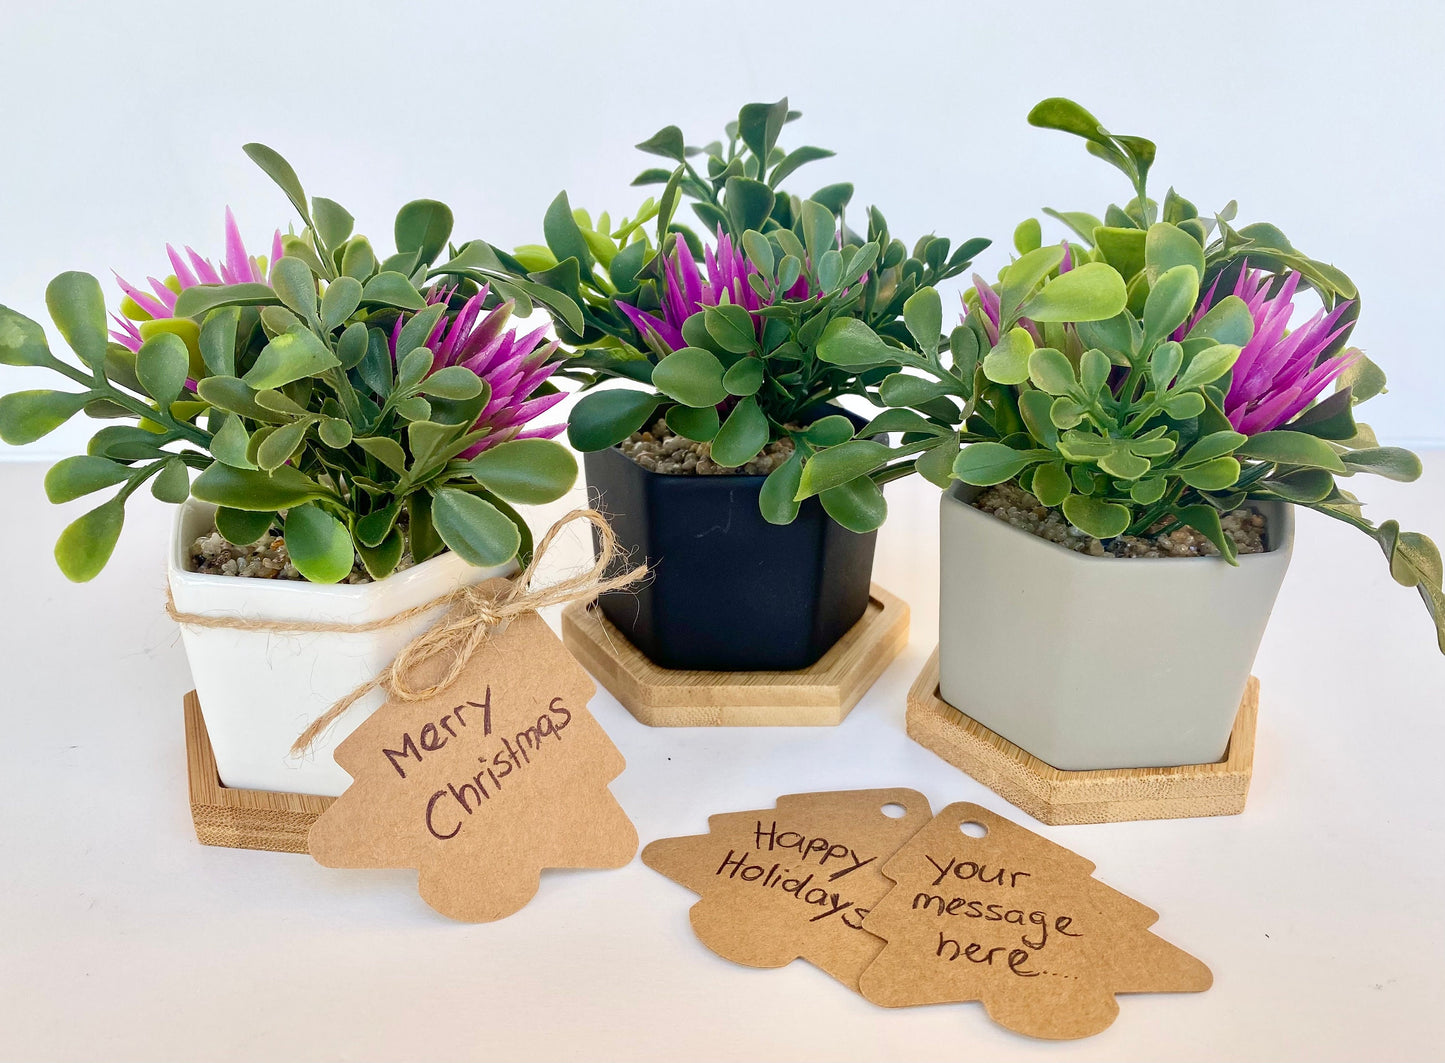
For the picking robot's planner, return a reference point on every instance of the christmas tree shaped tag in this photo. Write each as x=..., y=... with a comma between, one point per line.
x=986, y=910
x=497, y=775
x=794, y=881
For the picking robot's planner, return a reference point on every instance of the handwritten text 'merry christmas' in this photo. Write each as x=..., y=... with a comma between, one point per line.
x=447, y=810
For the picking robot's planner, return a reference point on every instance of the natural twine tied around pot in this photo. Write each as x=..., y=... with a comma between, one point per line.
x=472, y=614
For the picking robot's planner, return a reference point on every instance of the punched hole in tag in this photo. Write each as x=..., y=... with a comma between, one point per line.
x=893, y=810
x=973, y=828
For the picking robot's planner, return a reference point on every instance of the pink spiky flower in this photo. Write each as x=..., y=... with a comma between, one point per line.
x=514, y=368
x=1280, y=371
x=237, y=268
x=686, y=291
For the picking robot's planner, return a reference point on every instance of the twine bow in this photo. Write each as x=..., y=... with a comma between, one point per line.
x=472, y=613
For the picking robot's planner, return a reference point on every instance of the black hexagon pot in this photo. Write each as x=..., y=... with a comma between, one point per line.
x=728, y=591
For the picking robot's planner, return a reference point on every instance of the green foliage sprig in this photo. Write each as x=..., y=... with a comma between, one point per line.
x=741, y=367
x=314, y=394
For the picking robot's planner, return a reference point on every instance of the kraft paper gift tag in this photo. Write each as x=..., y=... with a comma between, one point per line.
x=480, y=787
x=1013, y=920
x=793, y=881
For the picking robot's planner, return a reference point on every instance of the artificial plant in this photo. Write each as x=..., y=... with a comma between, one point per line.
x=1139, y=381
x=380, y=404
x=728, y=351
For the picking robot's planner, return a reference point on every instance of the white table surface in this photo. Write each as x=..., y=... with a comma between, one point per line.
x=1321, y=909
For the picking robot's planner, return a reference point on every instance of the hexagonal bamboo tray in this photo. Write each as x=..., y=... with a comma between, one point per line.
x=1058, y=797
x=820, y=696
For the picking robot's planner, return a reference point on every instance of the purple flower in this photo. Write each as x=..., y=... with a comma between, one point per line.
x=513, y=368
x=1279, y=372
x=238, y=268
x=685, y=292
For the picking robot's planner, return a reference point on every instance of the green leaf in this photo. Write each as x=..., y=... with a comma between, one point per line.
x=358, y=261
x=1393, y=463
x=1083, y=224
x=1022, y=275
x=1205, y=519
x=475, y=530
x=1363, y=378
x=452, y=382
x=293, y=355
x=1148, y=490
x=1028, y=236
x=280, y=171
x=381, y=560
x=294, y=283
x=777, y=501
x=1096, y=517
x=903, y=389
x=251, y=490
x=333, y=221
x=423, y=226
x=666, y=142
x=1051, y=372
x=1051, y=484
x=985, y=464
x=1208, y=366
x=1217, y=474
x=218, y=341
x=602, y=419
x=173, y=483
x=1122, y=248
x=1170, y=302
x=1415, y=561
x=161, y=365
x=343, y=296
x=242, y=527
x=70, y=478
x=790, y=162
x=820, y=228
x=1183, y=407
x=389, y=288
x=196, y=302
x=700, y=425
x=1008, y=362
x=840, y=464
x=1167, y=246
x=385, y=450
x=744, y=377
x=847, y=341
x=22, y=341
x=1227, y=321
x=529, y=471
x=26, y=416
x=742, y=435
x=923, y=314
x=86, y=545
x=319, y=544
x=1122, y=464
x=278, y=446
x=749, y=203
x=1214, y=445
x=563, y=236
x=900, y=421
x=732, y=327
x=829, y=431
x=1292, y=448
x=691, y=376
x=77, y=306
x=1303, y=485
x=857, y=505
x=759, y=125
x=1090, y=292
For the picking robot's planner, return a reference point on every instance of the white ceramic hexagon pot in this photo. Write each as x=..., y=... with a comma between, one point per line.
x=1092, y=662
x=259, y=689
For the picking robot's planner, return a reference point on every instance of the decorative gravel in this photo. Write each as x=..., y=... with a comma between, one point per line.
x=1011, y=503
x=266, y=558
x=660, y=449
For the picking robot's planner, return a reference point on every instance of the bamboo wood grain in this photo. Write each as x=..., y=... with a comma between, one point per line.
x=241, y=819
x=1064, y=797
x=819, y=696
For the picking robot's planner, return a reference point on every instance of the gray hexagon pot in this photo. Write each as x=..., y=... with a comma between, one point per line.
x=1090, y=662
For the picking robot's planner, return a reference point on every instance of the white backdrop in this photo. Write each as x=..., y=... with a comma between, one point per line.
x=123, y=124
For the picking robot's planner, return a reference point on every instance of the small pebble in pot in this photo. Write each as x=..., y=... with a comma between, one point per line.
x=1011, y=503
x=660, y=449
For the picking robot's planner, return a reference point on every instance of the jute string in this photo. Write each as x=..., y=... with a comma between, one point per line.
x=472, y=614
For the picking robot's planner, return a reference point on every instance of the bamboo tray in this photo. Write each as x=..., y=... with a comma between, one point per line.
x=820, y=696
x=1060, y=797
x=242, y=819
